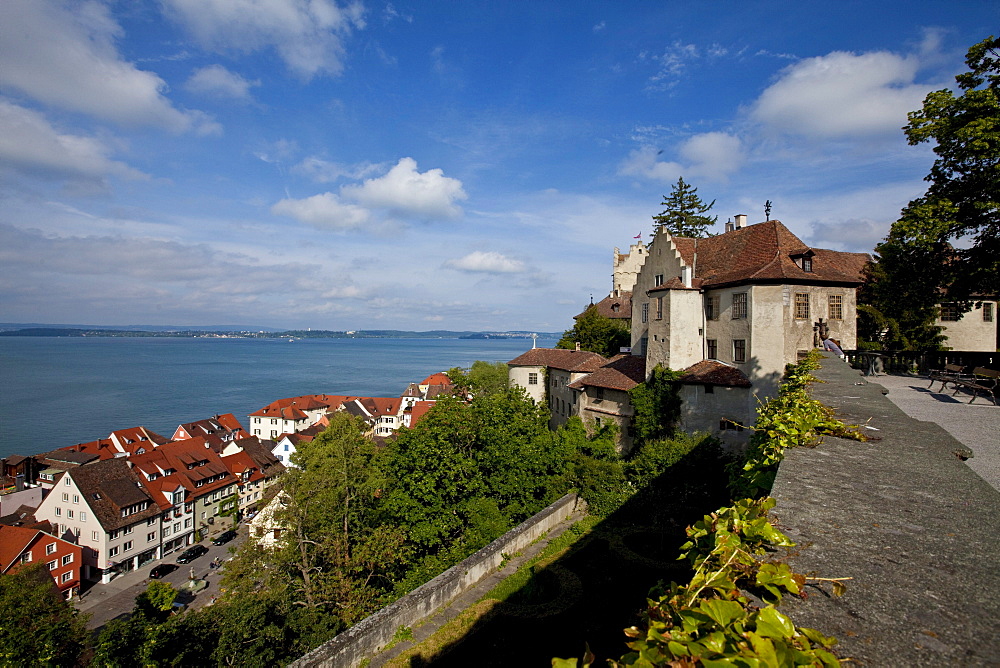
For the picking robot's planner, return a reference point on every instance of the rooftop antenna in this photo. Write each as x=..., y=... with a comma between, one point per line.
x=767, y=210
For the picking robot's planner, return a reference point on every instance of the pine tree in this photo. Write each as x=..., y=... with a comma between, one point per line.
x=684, y=212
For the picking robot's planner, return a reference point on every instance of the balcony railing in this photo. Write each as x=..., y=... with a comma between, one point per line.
x=907, y=361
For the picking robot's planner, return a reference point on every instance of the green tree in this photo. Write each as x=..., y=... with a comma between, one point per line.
x=37, y=625
x=961, y=208
x=481, y=378
x=597, y=333
x=657, y=405
x=684, y=212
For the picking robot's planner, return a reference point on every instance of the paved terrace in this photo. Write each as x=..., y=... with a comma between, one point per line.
x=915, y=526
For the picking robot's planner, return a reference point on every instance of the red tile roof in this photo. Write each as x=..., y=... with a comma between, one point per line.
x=623, y=372
x=613, y=307
x=439, y=378
x=293, y=408
x=713, y=372
x=579, y=361
x=764, y=253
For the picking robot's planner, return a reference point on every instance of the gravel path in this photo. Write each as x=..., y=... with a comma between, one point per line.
x=976, y=425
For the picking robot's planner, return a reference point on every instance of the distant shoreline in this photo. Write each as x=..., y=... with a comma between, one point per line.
x=289, y=334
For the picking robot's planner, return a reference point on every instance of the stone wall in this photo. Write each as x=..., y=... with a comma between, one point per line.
x=366, y=637
x=903, y=516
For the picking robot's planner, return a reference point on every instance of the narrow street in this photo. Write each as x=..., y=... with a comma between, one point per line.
x=117, y=598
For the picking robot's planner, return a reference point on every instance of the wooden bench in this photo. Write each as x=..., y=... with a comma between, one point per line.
x=984, y=380
x=950, y=372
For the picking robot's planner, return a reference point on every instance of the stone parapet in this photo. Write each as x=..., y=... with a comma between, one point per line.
x=908, y=520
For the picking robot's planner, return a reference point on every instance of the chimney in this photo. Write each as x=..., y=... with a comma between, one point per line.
x=729, y=226
x=577, y=346
x=741, y=221
x=686, y=276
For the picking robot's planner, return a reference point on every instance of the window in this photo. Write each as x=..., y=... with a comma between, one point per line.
x=65, y=497
x=807, y=264
x=65, y=577
x=69, y=513
x=600, y=393
x=177, y=527
x=125, y=547
x=711, y=308
x=710, y=389
x=532, y=379
x=645, y=312
x=166, y=532
x=66, y=481
x=836, y=310
x=949, y=313
x=83, y=516
x=151, y=521
x=657, y=280
x=659, y=308
x=988, y=312
x=53, y=564
x=76, y=498
x=739, y=350
x=50, y=548
x=94, y=535
x=58, y=511
x=114, y=534
x=113, y=552
x=67, y=559
x=187, y=523
x=801, y=305
x=597, y=422
x=26, y=558
x=150, y=537
x=713, y=349
x=729, y=425
x=739, y=305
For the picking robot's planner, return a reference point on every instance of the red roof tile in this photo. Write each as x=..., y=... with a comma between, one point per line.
x=713, y=372
x=623, y=372
x=579, y=361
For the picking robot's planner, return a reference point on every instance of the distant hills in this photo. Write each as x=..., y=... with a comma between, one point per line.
x=32, y=329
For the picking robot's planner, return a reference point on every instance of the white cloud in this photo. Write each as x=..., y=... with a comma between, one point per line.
x=324, y=171
x=29, y=142
x=308, y=34
x=217, y=81
x=325, y=211
x=842, y=95
x=643, y=162
x=713, y=155
x=64, y=54
x=489, y=262
x=410, y=193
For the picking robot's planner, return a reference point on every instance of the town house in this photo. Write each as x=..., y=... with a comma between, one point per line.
x=546, y=374
x=286, y=416
x=105, y=508
x=20, y=546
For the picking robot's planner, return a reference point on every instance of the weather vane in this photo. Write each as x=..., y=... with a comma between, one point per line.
x=767, y=210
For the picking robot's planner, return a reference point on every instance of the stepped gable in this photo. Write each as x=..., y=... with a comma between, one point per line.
x=579, y=361
x=623, y=373
x=110, y=486
x=765, y=252
x=714, y=372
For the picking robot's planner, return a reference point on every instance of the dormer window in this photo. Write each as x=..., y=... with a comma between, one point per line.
x=804, y=261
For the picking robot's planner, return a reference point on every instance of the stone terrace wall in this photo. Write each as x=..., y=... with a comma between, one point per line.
x=908, y=520
x=369, y=635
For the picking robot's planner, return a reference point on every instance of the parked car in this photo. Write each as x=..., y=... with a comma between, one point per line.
x=191, y=554
x=224, y=537
x=161, y=570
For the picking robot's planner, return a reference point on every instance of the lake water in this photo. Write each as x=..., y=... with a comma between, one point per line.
x=56, y=392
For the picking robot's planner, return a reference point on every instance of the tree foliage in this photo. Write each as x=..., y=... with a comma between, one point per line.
x=597, y=333
x=952, y=234
x=684, y=212
x=37, y=625
x=481, y=378
x=657, y=405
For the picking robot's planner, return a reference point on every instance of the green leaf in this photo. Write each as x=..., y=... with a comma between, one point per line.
x=773, y=624
x=722, y=612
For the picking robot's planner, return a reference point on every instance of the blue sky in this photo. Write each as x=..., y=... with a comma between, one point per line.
x=433, y=165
